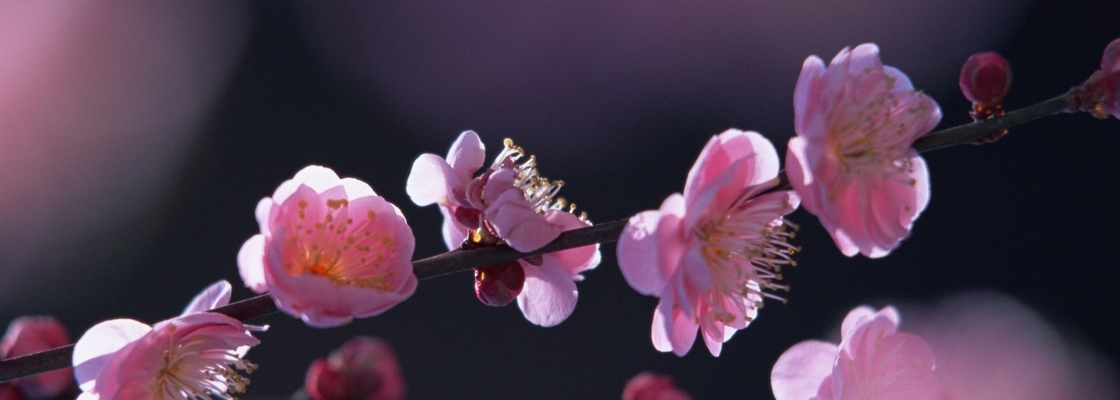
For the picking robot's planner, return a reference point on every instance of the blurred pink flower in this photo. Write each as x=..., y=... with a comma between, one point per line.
x=851, y=161
x=990, y=346
x=508, y=203
x=1101, y=93
x=710, y=253
x=873, y=361
x=651, y=386
x=329, y=250
x=365, y=368
x=195, y=355
x=28, y=335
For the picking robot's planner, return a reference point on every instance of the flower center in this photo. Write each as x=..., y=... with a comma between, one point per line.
x=538, y=190
x=745, y=250
x=871, y=137
x=338, y=248
x=201, y=369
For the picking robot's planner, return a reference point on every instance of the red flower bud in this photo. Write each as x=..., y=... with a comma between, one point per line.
x=364, y=368
x=498, y=285
x=28, y=335
x=985, y=79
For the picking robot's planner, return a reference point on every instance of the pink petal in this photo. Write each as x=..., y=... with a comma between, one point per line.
x=356, y=188
x=262, y=212
x=467, y=155
x=431, y=181
x=250, y=264
x=214, y=296
x=549, y=295
x=672, y=330
x=318, y=178
x=515, y=221
x=453, y=232
x=859, y=316
x=578, y=259
x=799, y=372
x=805, y=98
x=642, y=245
x=97, y=346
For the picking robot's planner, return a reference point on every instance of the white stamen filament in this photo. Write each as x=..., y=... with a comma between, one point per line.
x=198, y=369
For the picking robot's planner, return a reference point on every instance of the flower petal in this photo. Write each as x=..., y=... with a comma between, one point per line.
x=214, y=296
x=672, y=330
x=431, y=180
x=96, y=347
x=466, y=155
x=549, y=295
x=578, y=259
x=515, y=221
x=800, y=370
x=250, y=264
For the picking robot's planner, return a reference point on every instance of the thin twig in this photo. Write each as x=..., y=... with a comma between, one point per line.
x=462, y=260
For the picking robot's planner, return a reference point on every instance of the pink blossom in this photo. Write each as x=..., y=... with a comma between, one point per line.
x=195, y=355
x=851, y=161
x=710, y=254
x=873, y=361
x=507, y=203
x=27, y=335
x=990, y=346
x=651, y=386
x=365, y=368
x=329, y=250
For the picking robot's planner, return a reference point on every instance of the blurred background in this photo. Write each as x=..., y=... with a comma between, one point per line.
x=137, y=137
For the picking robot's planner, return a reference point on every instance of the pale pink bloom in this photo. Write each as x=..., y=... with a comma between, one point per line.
x=195, y=355
x=330, y=250
x=365, y=368
x=874, y=361
x=710, y=254
x=851, y=161
x=27, y=335
x=990, y=346
x=651, y=386
x=507, y=203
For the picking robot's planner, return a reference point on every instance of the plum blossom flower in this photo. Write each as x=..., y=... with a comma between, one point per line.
x=26, y=335
x=851, y=161
x=873, y=361
x=507, y=203
x=365, y=368
x=195, y=355
x=330, y=250
x=712, y=254
x=1100, y=95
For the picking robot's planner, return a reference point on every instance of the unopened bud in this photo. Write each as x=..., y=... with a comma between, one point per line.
x=28, y=335
x=985, y=79
x=499, y=284
x=365, y=368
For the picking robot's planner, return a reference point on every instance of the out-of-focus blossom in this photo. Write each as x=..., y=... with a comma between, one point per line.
x=851, y=161
x=508, y=203
x=196, y=355
x=329, y=250
x=985, y=79
x=1100, y=95
x=990, y=346
x=365, y=368
x=651, y=386
x=710, y=254
x=27, y=335
x=873, y=361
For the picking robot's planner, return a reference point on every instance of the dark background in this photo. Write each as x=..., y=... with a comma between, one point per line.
x=617, y=101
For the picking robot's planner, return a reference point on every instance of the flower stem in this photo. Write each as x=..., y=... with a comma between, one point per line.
x=462, y=260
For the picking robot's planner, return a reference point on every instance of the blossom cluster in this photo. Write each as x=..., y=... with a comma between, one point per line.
x=331, y=249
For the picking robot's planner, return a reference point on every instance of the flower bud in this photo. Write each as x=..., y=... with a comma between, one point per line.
x=651, y=386
x=499, y=284
x=365, y=368
x=985, y=79
x=28, y=335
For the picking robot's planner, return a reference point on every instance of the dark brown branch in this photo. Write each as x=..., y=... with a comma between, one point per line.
x=461, y=260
